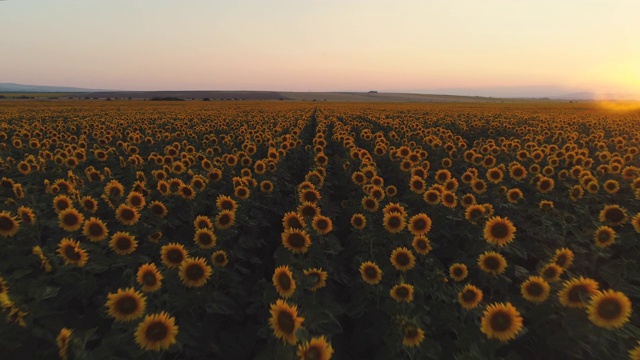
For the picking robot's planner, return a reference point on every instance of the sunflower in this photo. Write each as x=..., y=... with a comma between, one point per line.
x=322, y=224
x=611, y=186
x=546, y=205
x=517, y=172
x=458, y=272
x=551, y=272
x=127, y=214
x=402, y=259
x=432, y=197
x=394, y=222
x=155, y=236
x=609, y=309
x=370, y=204
x=202, y=222
x=309, y=195
x=125, y=304
x=316, y=349
x=575, y=193
x=417, y=184
x=604, y=236
x=563, y=257
x=95, y=229
x=62, y=341
x=513, y=195
x=613, y=215
x=501, y=321
x=158, y=209
x=225, y=219
x=370, y=272
x=320, y=277
x=470, y=297
x=394, y=207
x=535, y=289
x=220, y=258
x=635, y=221
x=421, y=245
x=242, y=192
x=194, y=272
x=402, y=292
x=575, y=290
x=205, y=238
x=359, y=221
x=442, y=175
x=156, y=332
x=173, y=254
x=491, y=262
x=70, y=219
x=283, y=281
x=136, y=200
x=412, y=336
x=474, y=213
x=390, y=191
x=296, y=240
x=499, y=231
x=293, y=220
x=479, y=186
x=149, y=277
x=113, y=189
x=308, y=210
x=26, y=215
x=9, y=225
x=285, y=321
x=545, y=184
x=89, y=204
x=61, y=202
x=449, y=199
x=495, y=175
x=123, y=243
x=70, y=251
x=420, y=224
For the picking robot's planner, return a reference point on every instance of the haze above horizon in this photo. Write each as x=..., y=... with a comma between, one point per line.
x=489, y=48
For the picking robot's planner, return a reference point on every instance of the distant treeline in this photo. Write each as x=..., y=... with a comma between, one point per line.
x=167, y=98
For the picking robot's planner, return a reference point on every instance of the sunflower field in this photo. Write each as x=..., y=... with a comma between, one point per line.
x=299, y=230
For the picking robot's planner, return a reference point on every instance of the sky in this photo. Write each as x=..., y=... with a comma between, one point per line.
x=489, y=47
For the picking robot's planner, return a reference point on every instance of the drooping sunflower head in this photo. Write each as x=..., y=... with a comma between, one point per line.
x=69, y=250
x=535, y=289
x=609, y=309
x=283, y=281
x=320, y=276
x=501, y=321
x=370, y=272
x=26, y=215
x=613, y=215
x=563, y=257
x=125, y=304
x=575, y=292
x=470, y=297
x=499, y=231
x=296, y=240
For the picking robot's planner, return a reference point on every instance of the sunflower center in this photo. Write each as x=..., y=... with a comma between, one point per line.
x=204, y=239
x=296, y=240
x=474, y=213
x=574, y=293
x=432, y=196
x=403, y=259
x=156, y=331
x=194, y=272
x=614, y=215
x=410, y=333
x=561, y=260
x=71, y=253
x=499, y=231
x=149, y=278
x=357, y=221
x=604, y=236
x=534, y=289
x=550, y=273
x=284, y=281
x=70, y=219
x=126, y=305
x=609, y=309
x=402, y=292
x=421, y=244
x=322, y=224
x=294, y=223
x=469, y=295
x=492, y=263
x=419, y=224
x=313, y=353
x=157, y=209
x=175, y=256
x=500, y=321
x=127, y=214
x=62, y=205
x=394, y=222
x=219, y=259
x=6, y=224
x=95, y=229
x=457, y=271
x=123, y=243
x=136, y=201
x=286, y=322
x=224, y=219
x=370, y=272
x=448, y=198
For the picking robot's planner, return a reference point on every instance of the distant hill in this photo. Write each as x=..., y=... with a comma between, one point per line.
x=11, y=87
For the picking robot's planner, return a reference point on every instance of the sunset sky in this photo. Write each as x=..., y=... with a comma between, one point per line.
x=490, y=46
